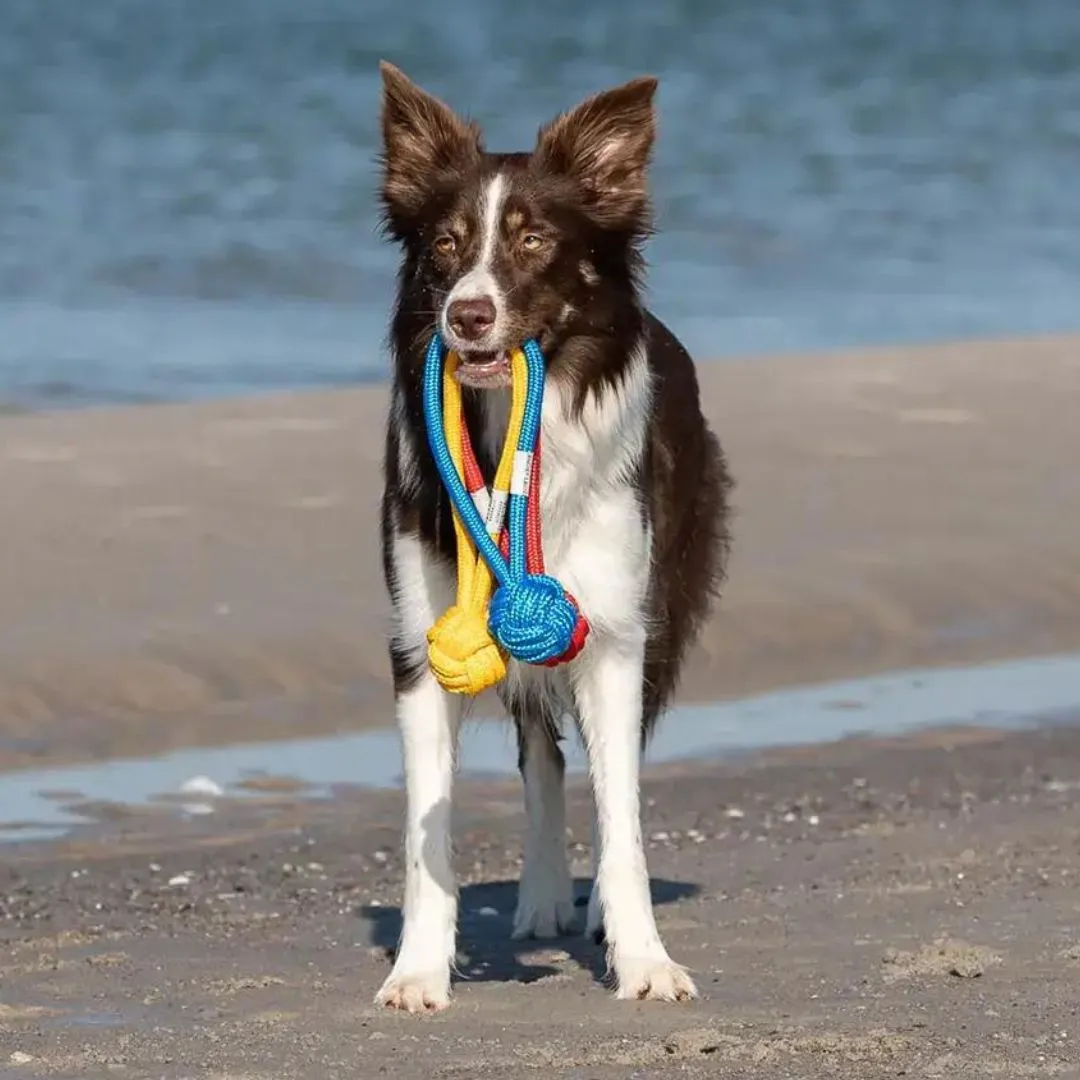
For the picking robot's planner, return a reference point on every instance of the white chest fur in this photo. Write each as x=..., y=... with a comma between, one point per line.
x=596, y=536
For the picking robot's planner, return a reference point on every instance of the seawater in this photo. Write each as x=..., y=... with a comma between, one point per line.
x=186, y=186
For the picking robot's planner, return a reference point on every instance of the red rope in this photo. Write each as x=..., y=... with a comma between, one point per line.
x=474, y=480
x=534, y=546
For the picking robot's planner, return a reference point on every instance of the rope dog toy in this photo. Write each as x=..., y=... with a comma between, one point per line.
x=507, y=606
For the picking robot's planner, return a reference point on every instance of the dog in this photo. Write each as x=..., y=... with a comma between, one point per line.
x=497, y=248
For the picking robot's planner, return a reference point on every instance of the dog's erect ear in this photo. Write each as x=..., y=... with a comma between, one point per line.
x=604, y=145
x=423, y=139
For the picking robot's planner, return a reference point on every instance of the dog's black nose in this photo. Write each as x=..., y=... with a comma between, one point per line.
x=471, y=319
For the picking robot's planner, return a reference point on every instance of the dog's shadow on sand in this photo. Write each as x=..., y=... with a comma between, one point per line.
x=486, y=952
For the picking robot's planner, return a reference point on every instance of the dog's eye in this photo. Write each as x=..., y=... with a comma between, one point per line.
x=532, y=241
x=445, y=245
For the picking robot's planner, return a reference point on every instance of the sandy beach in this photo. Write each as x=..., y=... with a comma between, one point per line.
x=197, y=575
x=864, y=910
x=189, y=574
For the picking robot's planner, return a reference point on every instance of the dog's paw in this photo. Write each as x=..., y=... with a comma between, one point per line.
x=544, y=912
x=420, y=992
x=653, y=980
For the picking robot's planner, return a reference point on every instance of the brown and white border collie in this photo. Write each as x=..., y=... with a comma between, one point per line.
x=497, y=248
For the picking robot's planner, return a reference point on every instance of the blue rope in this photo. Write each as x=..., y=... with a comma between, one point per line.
x=530, y=615
x=444, y=463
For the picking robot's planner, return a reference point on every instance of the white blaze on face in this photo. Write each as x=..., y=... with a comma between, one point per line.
x=479, y=282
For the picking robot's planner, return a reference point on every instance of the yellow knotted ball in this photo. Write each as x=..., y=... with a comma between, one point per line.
x=462, y=653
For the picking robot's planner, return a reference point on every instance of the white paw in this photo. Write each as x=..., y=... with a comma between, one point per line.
x=653, y=980
x=546, y=911
x=416, y=992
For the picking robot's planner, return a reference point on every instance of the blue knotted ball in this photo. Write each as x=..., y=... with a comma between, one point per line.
x=533, y=618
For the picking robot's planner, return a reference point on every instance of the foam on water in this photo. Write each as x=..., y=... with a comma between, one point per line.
x=43, y=803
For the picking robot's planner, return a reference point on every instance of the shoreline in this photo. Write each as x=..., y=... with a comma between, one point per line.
x=202, y=574
x=114, y=798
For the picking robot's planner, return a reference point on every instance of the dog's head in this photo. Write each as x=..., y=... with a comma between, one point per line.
x=503, y=247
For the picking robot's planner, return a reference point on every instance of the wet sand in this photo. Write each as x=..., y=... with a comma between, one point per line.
x=198, y=574
x=864, y=909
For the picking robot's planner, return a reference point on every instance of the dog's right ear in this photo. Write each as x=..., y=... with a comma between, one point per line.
x=423, y=139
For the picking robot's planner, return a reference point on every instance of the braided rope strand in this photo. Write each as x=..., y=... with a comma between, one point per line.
x=462, y=654
x=530, y=617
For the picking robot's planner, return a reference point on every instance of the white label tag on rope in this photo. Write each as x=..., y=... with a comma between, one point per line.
x=496, y=514
x=482, y=502
x=522, y=472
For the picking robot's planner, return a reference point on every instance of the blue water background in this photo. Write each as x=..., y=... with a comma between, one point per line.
x=186, y=185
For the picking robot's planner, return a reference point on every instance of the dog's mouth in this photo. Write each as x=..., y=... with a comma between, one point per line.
x=484, y=370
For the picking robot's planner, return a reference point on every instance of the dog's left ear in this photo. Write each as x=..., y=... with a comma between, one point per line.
x=423, y=140
x=604, y=145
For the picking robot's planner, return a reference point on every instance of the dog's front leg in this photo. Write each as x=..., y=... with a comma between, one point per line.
x=429, y=719
x=608, y=688
x=420, y=979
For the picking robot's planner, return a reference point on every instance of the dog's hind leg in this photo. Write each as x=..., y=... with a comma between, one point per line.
x=545, y=897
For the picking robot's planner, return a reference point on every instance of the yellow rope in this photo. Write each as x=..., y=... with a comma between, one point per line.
x=462, y=653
